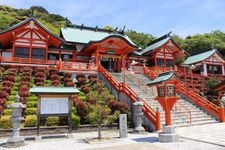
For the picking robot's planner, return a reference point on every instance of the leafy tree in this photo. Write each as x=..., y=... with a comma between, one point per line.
x=101, y=114
x=140, y=39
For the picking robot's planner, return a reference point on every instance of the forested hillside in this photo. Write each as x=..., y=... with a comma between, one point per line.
x=10, y=16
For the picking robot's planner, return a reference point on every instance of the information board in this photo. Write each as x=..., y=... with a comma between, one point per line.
x=54, y=106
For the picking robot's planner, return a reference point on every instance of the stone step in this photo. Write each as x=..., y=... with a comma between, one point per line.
x=195, y=123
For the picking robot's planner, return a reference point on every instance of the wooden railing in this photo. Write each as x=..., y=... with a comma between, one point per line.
x=26, y=60
x=77, y=66
x=187, y=113
x=153, y=116
x=158, y=70
x=202, y=102
x=150, y=73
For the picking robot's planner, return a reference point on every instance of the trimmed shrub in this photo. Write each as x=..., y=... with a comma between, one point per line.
x=81, y=107
x=70, y=84
x=75, y=120
x=32, y=98
x=11, y=98
x=116, y=105
x=55, y=83
x=52, y=121
x=15, y=88
x=31, y=121
x=74, y=111
x=14, y=93
x=68, y=75
x=5, y=122
x=31, y=104
x=9, y=103
x=31, y=111
x=85, y=89
x=3, y=94
x=8, y=112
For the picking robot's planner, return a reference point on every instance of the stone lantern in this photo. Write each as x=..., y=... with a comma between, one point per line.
x=138, y=115
x=16, y=140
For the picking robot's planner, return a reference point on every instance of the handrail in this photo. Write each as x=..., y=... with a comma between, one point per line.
x=153, y=116
x=200, y=101
x=187, y=110
x=78, y=66
x=150, y=73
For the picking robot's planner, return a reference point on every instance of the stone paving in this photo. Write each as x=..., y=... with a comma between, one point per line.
x=209, y=133
x=204, y=137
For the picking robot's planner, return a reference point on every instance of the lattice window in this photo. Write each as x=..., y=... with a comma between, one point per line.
x=170, y=90
x=161, y=91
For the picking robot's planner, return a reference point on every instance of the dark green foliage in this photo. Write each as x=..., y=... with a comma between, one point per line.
x=6, y=122
x=75, y=120
x=141, y=39
x=11, y=16
x=74, y=111
x=52, y=121
x=31, y=121
x=214, y=39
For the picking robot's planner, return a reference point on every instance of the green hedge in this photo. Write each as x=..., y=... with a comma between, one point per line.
x=5, y=122
x=14, y=93
x=15, y=88
x=52, y=121
x=74, y=110
x=31, y=111
x=75, y=120
x=31, y=104
x=16, y=84
x=11, y=98
x=8, y=112
x=32, y=98
x=9, y=103
x=31, y=121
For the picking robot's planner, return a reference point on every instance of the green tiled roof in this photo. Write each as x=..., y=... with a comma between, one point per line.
x=54, y=90
x=161, y=78
x=199, y=57
x=155, y=45
x=72, y=34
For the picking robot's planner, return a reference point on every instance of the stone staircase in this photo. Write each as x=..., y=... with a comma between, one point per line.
x=181, y=111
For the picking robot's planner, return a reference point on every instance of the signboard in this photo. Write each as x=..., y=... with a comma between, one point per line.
x=54, y=105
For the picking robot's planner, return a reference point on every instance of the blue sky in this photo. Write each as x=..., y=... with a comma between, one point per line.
x=156, y=17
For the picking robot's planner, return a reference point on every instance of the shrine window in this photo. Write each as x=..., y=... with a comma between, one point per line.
x=160, y=62
x=38, y=53
x=22, y=52
x=170, y=90
x=161, y=91
x=214, y=69
x=169, y=63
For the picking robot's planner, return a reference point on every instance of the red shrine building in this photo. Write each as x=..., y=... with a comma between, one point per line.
x=209, y=62
x=163, y=53
x=31, y=42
